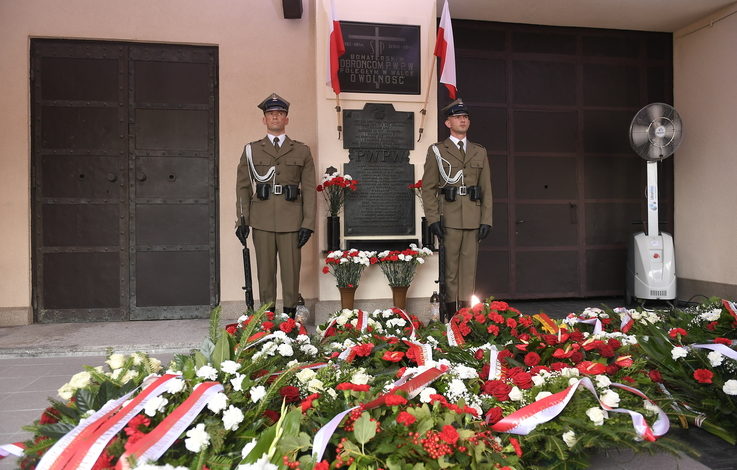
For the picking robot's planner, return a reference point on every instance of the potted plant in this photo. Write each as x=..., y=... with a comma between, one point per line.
x=347, y=267
x=399, y=268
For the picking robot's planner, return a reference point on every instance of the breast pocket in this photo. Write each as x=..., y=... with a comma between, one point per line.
x=293, y=171
x=262, y=166
x=473, y=172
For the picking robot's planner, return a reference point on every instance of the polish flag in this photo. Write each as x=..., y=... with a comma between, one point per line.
x=336, y=48
x=445, y=51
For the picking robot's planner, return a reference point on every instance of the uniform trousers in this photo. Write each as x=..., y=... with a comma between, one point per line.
x=461, y=253
x=267, y=245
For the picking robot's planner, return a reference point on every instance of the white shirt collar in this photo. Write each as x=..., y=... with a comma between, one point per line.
x=281, y=138
x=455, y=140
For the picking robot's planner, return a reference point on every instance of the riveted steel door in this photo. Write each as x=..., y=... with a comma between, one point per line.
x=106, y=196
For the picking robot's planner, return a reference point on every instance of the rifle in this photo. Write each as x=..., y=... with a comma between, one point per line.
x=248, y=287
x=442, y=285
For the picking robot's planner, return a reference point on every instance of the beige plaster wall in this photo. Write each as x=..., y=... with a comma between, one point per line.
x=705, y=73
x=259, y=52
x=413, y=12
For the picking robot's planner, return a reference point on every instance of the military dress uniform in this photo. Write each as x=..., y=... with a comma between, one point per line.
x=276, y=220
x=463, y=216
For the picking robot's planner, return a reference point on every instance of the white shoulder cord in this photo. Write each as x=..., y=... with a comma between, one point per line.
x=254, y=174
x=441, y=168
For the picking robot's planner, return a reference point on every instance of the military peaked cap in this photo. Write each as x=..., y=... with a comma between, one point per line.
x=456, y=108
x=274, y=103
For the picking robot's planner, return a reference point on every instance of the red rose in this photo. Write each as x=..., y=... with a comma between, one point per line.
x=532, y=359
x=494, y=415
x=50, y=416
x=498, y=389
x=479, y=354
x=576, y=356
x=523, y=380
x=272, y=415
x=393, y=356
x=484, y=371
x=290, y=393
x=394, y=400
x=363, y=350
x=655, y=376
x=556, y=366
x=405, y=418
x=449, y=434
x=703, y=376
x=614, y=343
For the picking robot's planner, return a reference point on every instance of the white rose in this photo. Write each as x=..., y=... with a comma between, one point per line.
x=569, y=437
x=715, y=358
x=315, y=385
x=229, y=367
x=237, y=382
x=569, y=372
x=286, y=350
x=602, y=381
x=538, y=380
x=80, y=379
x=66, y=392
x=257, y=393
x=730, y=387
x=596, y=415
x=155, y=405
x=197, y=439
x=115, y=361
x=678, y=352
x=217, y=402
x=610, y=398
x=515, y=394
x=305, y=375
x=232, y=417
x=542, y=395
x=174, y=385
x=425, y=394
x=207, y=372
x=360, y=377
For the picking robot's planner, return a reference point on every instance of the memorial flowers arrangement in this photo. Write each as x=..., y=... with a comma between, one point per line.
x=379, y=390
x=334, y=188
x=399, y=266
x=347, y=266
x=416, y=188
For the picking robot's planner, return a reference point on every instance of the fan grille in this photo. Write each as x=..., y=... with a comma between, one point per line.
x=656, y=132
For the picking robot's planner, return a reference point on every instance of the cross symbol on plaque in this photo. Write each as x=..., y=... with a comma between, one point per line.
x=377, y=40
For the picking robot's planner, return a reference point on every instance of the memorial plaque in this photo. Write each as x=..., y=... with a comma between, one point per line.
x=379, y=140
x=380, y=58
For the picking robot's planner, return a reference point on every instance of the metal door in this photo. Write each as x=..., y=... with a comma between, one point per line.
x=110, y=211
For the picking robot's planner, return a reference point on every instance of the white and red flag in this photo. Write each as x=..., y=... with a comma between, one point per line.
x=445, y=51
x=336, y=48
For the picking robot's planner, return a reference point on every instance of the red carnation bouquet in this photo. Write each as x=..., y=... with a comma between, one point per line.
x=334, y=187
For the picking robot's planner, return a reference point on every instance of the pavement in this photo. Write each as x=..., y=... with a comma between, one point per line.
x=35, y=360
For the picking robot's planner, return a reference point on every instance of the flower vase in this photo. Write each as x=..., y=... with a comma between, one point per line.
x=347, y=296
x=399, y=296
x=427, y=238
x=333, y=233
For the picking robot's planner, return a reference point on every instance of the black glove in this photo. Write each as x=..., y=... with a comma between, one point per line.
x=242, y=232
x=303, y=236
x=436, y=229
x=484, y=231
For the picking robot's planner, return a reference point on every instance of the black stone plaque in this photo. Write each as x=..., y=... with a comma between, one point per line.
x=380, y=58
x=379, y=144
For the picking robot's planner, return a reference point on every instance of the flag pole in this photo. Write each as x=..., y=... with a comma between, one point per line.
x=423, y=111
x=340, y=115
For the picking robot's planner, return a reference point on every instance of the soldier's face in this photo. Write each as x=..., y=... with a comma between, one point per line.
x=458, y=124
x=276, y=121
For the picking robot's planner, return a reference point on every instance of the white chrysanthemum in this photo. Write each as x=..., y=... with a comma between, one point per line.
x=456, y=388
x=602, y=381
x=217, y=402
x=542, y=395
x=678, y=352
x=464, y=372
x=174, y=385
x=425, y=394
x=197, y=439
x=286, y=350
x=711, y=315
x=308, y=349
x=396, y=322
x=515, y=394
x=569, y=372
x=232, y=417
x=730, y=387
x=207, y=372
x=610, y=398
x=569, y=437
x=302, y=339
x=305, y=375
x=257, y=393
x=229, y=367
x=155, y=405
x=596, y=415
x=116, y=361
x=715, y=358
x=237, y=382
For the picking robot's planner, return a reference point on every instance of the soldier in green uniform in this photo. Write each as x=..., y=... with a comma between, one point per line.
x=275, y=196
x=456, y=185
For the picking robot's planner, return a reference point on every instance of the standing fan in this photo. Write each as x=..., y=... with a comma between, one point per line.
x=655, y=133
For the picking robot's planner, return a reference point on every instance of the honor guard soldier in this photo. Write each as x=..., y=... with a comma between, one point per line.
x=456, y=185
x=275, y=196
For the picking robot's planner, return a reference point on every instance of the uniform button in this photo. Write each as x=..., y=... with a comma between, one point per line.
x=278, y=172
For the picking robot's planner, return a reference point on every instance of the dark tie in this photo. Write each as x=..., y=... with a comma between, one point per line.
x=460, y=147
x=276, y=143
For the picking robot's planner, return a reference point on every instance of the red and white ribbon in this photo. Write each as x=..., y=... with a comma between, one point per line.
x=455, y=338
x=526, y=419
x=412, y=387
x=405, y=316
x=362, y=321
x=591, y=321
x=421, y=351
x=720, y=348
x=627, y=321
x=495, y=367
x=153, y=445
x=731, y=308
x=15, y=449
x=85, y=448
